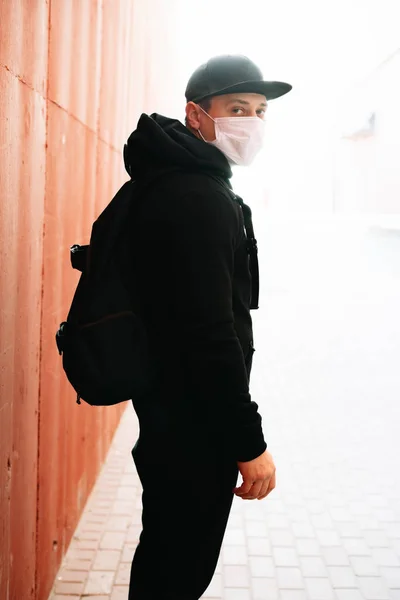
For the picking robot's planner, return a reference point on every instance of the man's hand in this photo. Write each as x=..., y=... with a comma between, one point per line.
x=258, y=477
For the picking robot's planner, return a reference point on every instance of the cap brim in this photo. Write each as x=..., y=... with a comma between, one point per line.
x=269, y=89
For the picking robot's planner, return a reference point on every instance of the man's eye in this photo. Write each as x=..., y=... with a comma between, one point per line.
x=237, y=111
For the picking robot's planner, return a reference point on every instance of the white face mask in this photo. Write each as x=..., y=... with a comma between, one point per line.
x=239, y=138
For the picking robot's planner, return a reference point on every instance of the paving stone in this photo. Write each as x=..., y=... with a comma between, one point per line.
x=336, y=500
x=237, y=576
x=119, y=592
x=322, y=521
x=313, y=566
x=356, y=547
x=359, y=508
x=99, y=582
x=234, y=555
x=303, y=530
x=118, y=523
x=385, y=557
x=342, y=577
x=76, y=564
x=237, y=594
x=289, y=578
x=215, y=589
x=391, y=576
x=90, y=526
x=392, y=530
x=348, y=529
x=275, y=505
x=95, y=519
x=261, y=566
x=385, y=515
x=86, y=544
x=75, y=576
x=258, y=546
x=364, y=566
x=91, y=535
x=112, y=540
x=236, y=521
x=376, y=539
x=234, y=537
x=285, y=557
x=264, y=588
x=106, y=560
x=308, y=547
x=133, y=533
x=121, y=507
x=395, y=546
x=349, y=595
x=55, y=596
x=373, y=588
x=376, y=500
x=123, y=574
x=298, y=514
x=78, y=554
x=277, y=521
x=369, y=522
x=252, y=511
x=327, y=537
x=335, y=557
x=319, y=589
x=69, y=588
x=126, y=492
x=293, y=595
x=256, y=529
x=341, y=514
x=281, y=537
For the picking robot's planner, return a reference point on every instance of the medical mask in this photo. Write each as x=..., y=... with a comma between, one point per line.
x=239, y=138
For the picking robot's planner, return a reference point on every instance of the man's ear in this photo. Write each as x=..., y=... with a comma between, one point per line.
x=192, y=115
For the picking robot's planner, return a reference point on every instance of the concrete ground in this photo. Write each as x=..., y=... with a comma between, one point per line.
x=327, y=379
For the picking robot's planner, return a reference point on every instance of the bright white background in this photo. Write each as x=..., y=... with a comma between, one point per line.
x=322, y=48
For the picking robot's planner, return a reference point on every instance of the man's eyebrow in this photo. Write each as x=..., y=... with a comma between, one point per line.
x=244, y=102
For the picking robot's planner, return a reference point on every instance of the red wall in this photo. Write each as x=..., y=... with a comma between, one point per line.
x=74, y=76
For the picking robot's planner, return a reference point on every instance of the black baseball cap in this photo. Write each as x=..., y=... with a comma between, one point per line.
x=228, y=74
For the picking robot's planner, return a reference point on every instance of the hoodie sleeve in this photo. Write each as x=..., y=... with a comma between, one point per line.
x=196, y=241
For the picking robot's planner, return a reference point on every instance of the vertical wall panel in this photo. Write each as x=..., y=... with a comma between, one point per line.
x=117, y=52
x=69, y=208
x=22, y=168
x=23, y=40
x=74, y=59
x=74, y=77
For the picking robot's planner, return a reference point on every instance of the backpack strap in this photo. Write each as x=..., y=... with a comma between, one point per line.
x=252, y=248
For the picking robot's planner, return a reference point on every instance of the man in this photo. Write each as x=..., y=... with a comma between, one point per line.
x=195, y=282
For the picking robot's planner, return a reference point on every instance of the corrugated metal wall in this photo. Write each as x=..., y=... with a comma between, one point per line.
x=74, y=77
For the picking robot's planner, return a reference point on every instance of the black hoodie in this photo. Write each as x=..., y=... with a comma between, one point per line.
x=191, y=270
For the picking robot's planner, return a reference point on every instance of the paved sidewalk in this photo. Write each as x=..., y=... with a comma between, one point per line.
x=327, y=378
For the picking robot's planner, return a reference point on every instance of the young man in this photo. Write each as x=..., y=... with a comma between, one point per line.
x=195, y=276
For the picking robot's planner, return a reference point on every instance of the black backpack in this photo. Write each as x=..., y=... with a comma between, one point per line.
x=103, y=342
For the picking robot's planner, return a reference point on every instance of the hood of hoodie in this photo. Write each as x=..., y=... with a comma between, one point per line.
x=160, y=143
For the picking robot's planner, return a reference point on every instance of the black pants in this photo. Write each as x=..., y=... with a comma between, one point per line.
x=186, y=505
